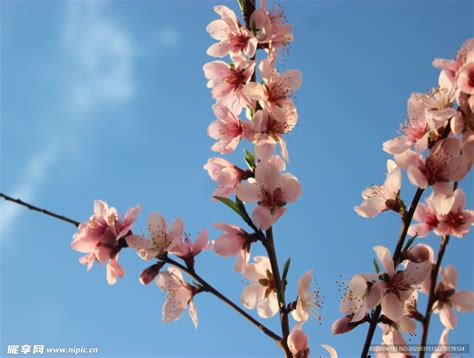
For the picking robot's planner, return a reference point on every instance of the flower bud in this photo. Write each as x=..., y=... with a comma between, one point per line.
x=343, y=325
x=150, y=273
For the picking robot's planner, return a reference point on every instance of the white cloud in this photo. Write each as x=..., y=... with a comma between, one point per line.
x=99, y=70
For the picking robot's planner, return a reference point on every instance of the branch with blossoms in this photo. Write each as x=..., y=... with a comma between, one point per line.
x=254, y=104
x=436, y=149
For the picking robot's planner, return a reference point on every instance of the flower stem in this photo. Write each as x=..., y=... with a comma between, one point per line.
x=425, y=324
x=43, y=211
x=285, y=327
x=209, y=288
x=406, y=221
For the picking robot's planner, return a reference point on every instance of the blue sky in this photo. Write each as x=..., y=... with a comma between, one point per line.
x=108, y=100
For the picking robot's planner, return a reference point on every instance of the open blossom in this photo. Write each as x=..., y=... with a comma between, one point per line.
x=228, y=81
x=277, y=90
x=446, y=162
x=415, y=131
x=232, y=36
x=268, y=130
x=187, y=250
x=272, y=191
x=308, y=301
x=399, y=285
x=451, y=67
x=233, y=242
x=271, y=27
x=381, y=198
x=363, y=293
x=180, y=296
x=446, y=215
x=393, y=344
x=98, y=238
x=448, y=297
x=161, y=237
x=260, y=293
x=227, y=129
x=226, y=174
x=298, y=342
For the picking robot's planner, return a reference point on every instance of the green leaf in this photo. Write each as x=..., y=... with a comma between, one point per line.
x=286, y=268
x=245, y=215
x=409, y=242
x=242, y=5
x=377, y=268
x=231, y=204
x=250, y=159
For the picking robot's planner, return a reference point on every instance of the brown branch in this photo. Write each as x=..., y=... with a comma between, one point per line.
x=43, y=211
x=406, y=221
x=432, y=296
x=209, y=288
x=285, y=327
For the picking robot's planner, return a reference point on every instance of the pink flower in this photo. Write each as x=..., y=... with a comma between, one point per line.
x=272, y=191
x=161, y=237
x=415, y=132
x=232, y=36
x=277, y=90
x=234, y=241
x=343, y=325
x=451, y=67
x=227, y=83
x=381, y=198
x=272, y=27
x=150, y=273
x=399, y=285
x=468, y=144
x=363, y=293
x=445, y=214
x=227, y=129
x=308, y=301
x=261, y=292
x=180, y=296
x=187, y=250
x=444, y=163
x=268, y=129
x=465, y=77
x=393, y=343
x=298, y=342
x=448, y=297
x=99, y=238
x=226, y=174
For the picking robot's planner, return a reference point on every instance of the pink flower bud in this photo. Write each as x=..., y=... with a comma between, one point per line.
x=150, y=273
x=343, y=325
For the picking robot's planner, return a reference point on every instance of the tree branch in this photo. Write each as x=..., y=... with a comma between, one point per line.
x=425, y=324
x=406, y=221
x=43, y=211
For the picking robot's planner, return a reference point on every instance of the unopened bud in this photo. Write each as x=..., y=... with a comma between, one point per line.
x=150, y=273
x=343, y=325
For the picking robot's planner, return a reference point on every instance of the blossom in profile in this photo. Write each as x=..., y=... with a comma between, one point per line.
x=271, y=26
x=161, y=238
x=187, y=250
x=261, y=292
x=233, y=242
x=272, y=190
x=381, y=198
x=448, y=298
x=308, y=301
x=234, y=39
x=180, y=296
x=99, y=238
x=226, y=174
x=227, y=129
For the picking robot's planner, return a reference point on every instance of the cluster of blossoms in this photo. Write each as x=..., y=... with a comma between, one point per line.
x=260, y=112
x=436, y=149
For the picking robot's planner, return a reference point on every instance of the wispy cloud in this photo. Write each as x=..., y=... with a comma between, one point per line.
x=99, y=70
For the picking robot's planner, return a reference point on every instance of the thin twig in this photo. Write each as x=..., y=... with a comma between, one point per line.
x=432, y=296
x=43, y=211
x=285, y=327
x=406, y=221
